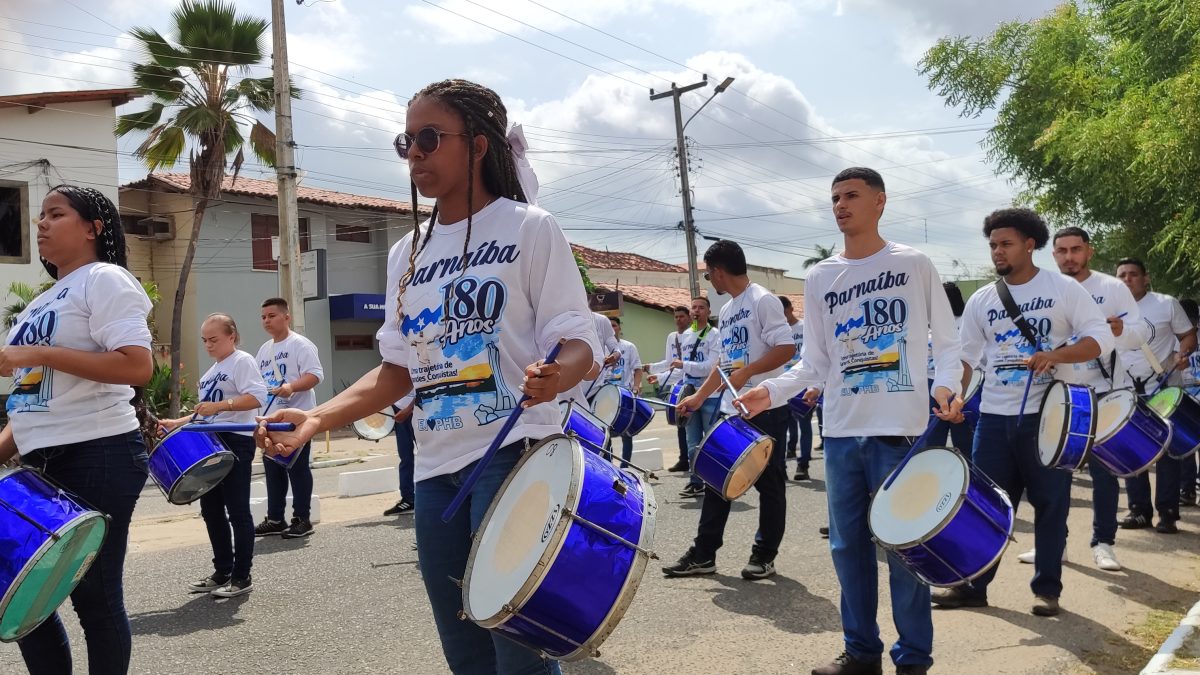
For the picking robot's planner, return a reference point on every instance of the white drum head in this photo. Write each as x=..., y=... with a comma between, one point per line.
x=520, y=528
x=1114, y=409
x=974, y=385
x=1050, y=428
x=607, y=403
x=920, y=499
x=375, y=426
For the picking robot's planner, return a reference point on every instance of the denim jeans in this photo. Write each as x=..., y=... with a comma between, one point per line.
x=443, y=549
x=772, y=498
x=1106, y=492
x=1009, y=456
x=1166, y=484
x=626, y=449
x=962, y=436
x=801, y=427
x=854, y=470
x=107, y=474
x=227, y=507
x=681, y=431
x=698, y=424
x=301, y=478
x=406, y=445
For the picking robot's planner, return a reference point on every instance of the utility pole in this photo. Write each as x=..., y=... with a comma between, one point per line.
x=689, y=224
x=285, y=171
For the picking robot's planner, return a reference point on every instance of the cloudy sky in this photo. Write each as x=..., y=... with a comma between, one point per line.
x=820, y=85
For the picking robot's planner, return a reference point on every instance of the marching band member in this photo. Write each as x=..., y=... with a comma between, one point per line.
x=664, y=375
x=627, y=374
x=799, y=428
x=702, y=349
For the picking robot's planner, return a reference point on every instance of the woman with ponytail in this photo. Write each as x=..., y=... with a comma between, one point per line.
x=477, y=296
x=75, y=354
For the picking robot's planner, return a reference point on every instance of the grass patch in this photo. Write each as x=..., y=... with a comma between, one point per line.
x=1131, y=656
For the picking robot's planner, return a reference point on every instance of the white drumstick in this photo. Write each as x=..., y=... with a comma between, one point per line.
x=732, y=392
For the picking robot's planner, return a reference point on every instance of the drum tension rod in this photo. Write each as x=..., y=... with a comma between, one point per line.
x=53, y=535
x=456, y=582
x=608, y=533
x=508, y=609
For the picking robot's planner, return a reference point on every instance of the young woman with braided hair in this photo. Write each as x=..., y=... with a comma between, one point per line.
x=74, y=354
x=477, y=296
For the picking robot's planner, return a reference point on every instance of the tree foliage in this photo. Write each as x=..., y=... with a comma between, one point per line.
x=1096, y=111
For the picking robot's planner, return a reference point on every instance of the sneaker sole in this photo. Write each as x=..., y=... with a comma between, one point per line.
x=232, y=594
x=298, y=536
x=268, y=534
x=695, y=571
x=754, y=576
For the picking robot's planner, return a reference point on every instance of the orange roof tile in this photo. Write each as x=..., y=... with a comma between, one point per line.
x=43, y=99
x=268, y=189
x=605, y=260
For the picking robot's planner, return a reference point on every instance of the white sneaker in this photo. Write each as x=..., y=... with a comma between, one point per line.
x=1028, y=557
x=1105, y=558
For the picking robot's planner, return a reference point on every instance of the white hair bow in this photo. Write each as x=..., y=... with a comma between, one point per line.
x=525, y=175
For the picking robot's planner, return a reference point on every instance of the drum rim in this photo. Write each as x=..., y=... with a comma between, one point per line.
x=741, y=458
x=569, y=408
x=1174, y=408
x=530, y=585
x=88, y=514
x=633, y=580
x=354, y=428
x=1062, y=442
x=616, y=413
x=170, y=434
x=1127, y=415
x=170, y=491
x=1179, y=402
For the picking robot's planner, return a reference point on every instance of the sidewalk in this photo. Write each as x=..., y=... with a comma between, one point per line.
x=1180, y=653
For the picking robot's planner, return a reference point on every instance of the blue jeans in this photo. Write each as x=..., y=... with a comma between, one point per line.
x=626, y=449
x=1009, y=456
x=1106, y=492
x=698, y=424
x=301, y=478
x=801, y=426
x=1166, y=483
x=854, y=470
x=443, y=549
x=227, y=507
x=108, y=474
x=406, y=444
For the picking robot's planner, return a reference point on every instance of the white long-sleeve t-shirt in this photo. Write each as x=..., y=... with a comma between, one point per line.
x=1113, y=298
x=751, y=325
x=673, y=350
x=866, y=326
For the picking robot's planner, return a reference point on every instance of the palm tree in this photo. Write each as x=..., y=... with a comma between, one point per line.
x=197, y=100
x=822, y=253
x=24, y=294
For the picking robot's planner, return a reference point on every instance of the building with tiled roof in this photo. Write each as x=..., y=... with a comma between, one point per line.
x=268, y=189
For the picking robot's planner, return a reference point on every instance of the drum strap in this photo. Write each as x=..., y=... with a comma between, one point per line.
x=699, y=339
x=1014, y=313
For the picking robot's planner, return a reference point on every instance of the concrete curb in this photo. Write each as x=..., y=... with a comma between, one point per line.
x=257, y=468
x=1159, y=664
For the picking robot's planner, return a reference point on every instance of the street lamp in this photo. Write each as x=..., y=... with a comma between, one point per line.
x=716, y=90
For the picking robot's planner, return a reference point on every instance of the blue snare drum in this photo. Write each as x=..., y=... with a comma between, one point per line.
x=732, y=457
x=48, y=541
x=584, y=427
x=680, y=391
x=561, y=551
x=1067, y=428
x=623, y=412
x=799, y=408
x=1183, y=412
x=942, y=518
x=1131, y=436
x=187, y=464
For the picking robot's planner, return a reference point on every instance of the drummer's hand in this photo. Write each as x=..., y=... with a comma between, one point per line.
x=1116, y=324
x=652, y=379
x=949, y=405
x=676, y=364
x=811, y=396
x=738, y=379
x=284, y=390
x=612, y=358
x=1041, y=362
x=754, y=401
x=208, y=408
x=285, y=442
x=689, y=404
x=167, y=426
x=403, y=413
x=541, y=383
x=13, y=357
x=1181, y=363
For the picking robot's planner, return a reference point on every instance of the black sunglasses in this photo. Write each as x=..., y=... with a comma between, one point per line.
x=427, y=140
x=707, y=277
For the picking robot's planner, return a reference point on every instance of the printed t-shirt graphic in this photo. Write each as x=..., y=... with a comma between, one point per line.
x=875, y=334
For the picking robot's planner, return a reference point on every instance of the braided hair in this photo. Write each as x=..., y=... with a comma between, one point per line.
x=92, y=205
x=483, y=113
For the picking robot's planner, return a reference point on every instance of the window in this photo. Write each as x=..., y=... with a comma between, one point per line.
x=263, y=228
x=357, y=233
x=354, y=342
x=14, y=223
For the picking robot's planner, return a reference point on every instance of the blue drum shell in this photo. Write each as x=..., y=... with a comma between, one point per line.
x=1137, y=445
x=42, y=503
x=727, y=442
x=180, y=452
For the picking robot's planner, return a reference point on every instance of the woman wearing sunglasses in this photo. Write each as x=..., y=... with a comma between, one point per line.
x=477, y=296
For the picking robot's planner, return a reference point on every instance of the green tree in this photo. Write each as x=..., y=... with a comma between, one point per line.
x=24, y=294
x=199, y=100
x=583, y=273
x=1096, y=112
x=822, y=253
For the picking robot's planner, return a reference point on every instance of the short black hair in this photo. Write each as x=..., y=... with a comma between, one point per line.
x=954, y=295
x=869, y=176
x=1132, y=261
x=615, y=319
x=1025, y=221
x=680, y=308
x=1191, y=309
x=702, y=299
x=1073, y=231
x=787, y=304
x=279, y=302
x=726, y=255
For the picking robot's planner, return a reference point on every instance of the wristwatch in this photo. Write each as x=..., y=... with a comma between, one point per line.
x=230, y=402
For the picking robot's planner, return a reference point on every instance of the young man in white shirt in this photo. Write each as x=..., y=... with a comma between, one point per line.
x=799, y=428
x=626, y=372
x=1073, y=254
x=291, y=367
x=868, y=316
x=755, y=343
x=664, y=375
x=1054, y=309
x=701, y=351
x=1171, y=339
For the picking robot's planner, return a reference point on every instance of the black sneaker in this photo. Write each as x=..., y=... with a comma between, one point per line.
x=1166, y=526
x=402, y=507
x=300, y=527
x=234, y=588
x=910, y=669
x=845, y=664
x=692, y=491
x=208, y=584
x=791, y=453
x=679, y=466
x=824, y=532
x=1135, y=521
x=953, y=598
x=758, y=569
x=268, y=527
x=691, y=565
x=801, y=474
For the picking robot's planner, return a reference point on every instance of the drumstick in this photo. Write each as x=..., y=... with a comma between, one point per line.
x=469, y=483
x=1024, y=398
x=209, y=427
x=912, y=451
x=268, y=406
x=207, y=394
x=732, y=392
